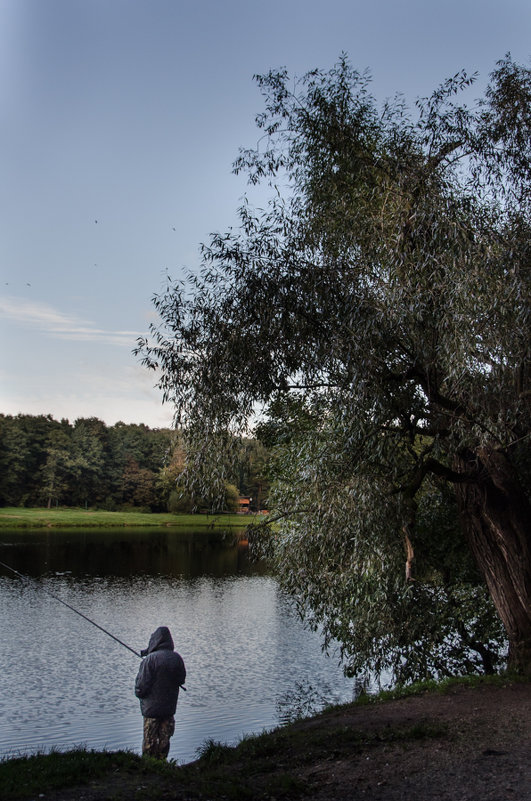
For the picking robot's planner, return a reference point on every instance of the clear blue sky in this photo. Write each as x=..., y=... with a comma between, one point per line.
x=120, y=120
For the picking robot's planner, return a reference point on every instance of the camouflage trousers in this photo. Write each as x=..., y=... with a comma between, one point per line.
x=157, y=733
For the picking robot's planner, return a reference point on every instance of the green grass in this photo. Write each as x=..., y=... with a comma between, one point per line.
x=27, y=776
x=15, y=517
x=266, y=765
x=441, y=686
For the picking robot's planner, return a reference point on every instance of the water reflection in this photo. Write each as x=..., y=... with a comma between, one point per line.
x=128, y=552
x=66, y=683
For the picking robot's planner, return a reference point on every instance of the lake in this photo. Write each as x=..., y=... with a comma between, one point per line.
x=251, y=663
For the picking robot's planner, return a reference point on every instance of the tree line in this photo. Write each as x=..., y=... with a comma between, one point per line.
x=48, y=462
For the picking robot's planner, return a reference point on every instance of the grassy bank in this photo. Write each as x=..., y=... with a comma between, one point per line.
x=286, y=763
x=14, y=517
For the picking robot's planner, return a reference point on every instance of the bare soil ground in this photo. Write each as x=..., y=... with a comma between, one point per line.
x=468, y=744
x=479, y=749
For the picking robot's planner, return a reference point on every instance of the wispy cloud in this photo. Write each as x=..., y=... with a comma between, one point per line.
x=61, y=326
x=111, y=393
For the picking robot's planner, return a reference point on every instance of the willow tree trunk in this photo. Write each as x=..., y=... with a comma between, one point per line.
x=496, y=516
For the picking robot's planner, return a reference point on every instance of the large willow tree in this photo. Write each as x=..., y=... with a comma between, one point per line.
x=378, y=311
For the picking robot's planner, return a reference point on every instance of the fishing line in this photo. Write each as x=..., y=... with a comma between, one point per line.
x=68, y=606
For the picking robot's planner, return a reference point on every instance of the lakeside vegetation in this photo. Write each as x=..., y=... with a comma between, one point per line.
x=262, y=765
x=15, y=517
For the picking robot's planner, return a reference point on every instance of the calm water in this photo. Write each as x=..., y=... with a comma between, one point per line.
x=250, y=661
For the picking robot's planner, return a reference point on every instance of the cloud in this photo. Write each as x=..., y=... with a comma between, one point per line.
x=110, y=393
x=54, y=323
x=67, y=366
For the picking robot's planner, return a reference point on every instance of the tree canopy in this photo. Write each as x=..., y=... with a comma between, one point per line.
x=374, y=317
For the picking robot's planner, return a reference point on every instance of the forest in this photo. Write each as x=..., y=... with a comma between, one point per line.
x=48, y=462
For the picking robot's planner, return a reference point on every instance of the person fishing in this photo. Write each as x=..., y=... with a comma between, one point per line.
x=162, y=673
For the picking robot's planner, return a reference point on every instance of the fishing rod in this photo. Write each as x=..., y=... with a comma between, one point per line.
x=68, y=606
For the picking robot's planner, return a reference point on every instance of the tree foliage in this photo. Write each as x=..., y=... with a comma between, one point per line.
x=376, y=313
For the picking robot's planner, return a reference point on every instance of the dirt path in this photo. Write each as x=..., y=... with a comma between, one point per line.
x=481, y=753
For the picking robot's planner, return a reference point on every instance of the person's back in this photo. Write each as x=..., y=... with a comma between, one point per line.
x=157, y=684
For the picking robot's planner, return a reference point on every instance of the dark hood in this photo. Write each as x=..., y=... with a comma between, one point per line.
x=161, y=639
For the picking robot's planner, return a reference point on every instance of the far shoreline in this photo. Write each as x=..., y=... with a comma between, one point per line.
x=19, y=517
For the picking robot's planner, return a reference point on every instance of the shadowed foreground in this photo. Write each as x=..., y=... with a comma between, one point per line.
x=462, y=744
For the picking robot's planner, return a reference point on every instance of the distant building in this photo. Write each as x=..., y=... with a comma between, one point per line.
x=244, y=506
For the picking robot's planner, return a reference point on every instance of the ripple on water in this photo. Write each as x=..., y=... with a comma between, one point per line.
x=65, y=683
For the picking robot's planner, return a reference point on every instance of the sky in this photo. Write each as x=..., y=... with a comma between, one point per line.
x=119, y=124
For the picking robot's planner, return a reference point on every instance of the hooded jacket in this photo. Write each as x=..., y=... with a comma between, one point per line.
x=161, y=674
